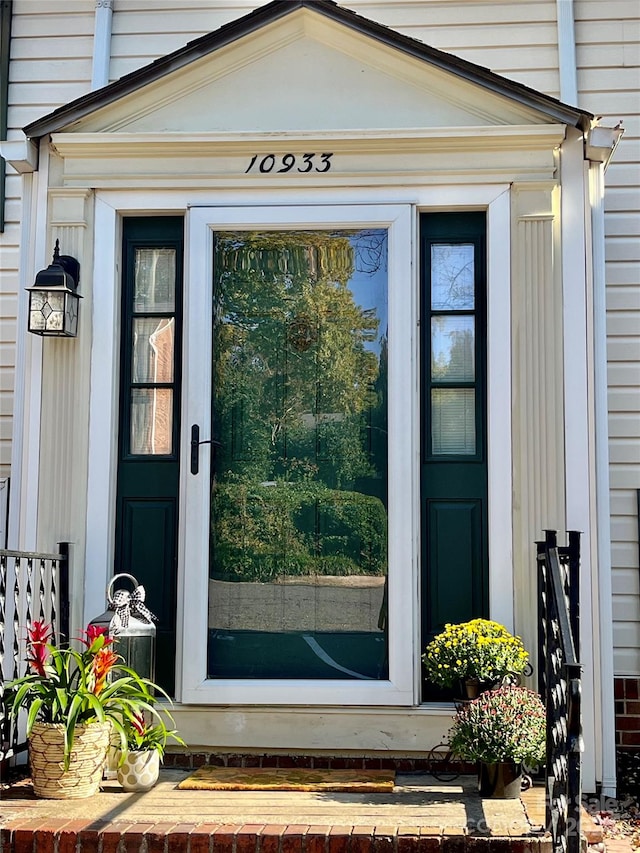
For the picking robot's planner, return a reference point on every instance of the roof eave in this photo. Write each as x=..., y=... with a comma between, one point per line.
x=228, y=33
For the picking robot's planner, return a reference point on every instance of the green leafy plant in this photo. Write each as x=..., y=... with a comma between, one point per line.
x=143, y=735
x=508, y=724
x=479, y=649
x=71, y=688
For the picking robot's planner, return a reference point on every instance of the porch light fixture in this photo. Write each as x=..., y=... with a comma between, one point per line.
x=53, y=300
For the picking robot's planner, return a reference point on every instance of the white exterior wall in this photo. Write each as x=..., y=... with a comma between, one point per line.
x=51, y=64
x=608, y=55
x=51, y=45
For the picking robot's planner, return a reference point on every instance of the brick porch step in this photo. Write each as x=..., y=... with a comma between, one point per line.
x=422, y=815
x=77, y=836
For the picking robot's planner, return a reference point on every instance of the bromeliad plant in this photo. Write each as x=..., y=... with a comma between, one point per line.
x=72, y=688
x=143, y=735
x=508, y=724
x=479, y=649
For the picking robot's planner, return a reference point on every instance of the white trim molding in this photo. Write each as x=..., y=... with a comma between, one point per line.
x=103, y=410
x=603, y=504
x=235, y=727
x=21, y=154
x=499, y=445
x=579, y=430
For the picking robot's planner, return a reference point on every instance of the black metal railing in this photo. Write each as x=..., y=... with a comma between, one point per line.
x=32, y=586
x=558, y=649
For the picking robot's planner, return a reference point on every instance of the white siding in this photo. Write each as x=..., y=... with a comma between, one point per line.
x=51, y=44
x=608, y=54
x=492, y=34
x=8, y=312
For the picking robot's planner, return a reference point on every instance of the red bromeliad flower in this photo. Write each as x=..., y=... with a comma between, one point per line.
x=103, y=663
x=138, y=723
x=93, y=632
x=39, y=635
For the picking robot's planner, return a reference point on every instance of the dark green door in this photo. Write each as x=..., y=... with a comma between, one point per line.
x=148, y=467
x=454, y=455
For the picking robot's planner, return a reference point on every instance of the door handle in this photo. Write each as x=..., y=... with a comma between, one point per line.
x=195, y=447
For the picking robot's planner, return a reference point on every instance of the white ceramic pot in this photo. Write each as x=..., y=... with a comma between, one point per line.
x=139, y=771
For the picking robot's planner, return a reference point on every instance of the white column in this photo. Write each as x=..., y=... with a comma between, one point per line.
x=579, y=431
x=603, y=509
x=537, y=383
x=103, y=412
x=501, y=603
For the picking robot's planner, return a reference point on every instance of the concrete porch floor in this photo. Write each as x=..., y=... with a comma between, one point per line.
x=421, y=815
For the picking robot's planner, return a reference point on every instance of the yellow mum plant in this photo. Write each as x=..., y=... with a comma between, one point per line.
x=479, y=649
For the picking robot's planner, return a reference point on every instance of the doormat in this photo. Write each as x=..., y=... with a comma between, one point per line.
x=289, y=779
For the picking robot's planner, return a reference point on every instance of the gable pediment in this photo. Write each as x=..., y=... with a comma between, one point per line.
x=305, y=72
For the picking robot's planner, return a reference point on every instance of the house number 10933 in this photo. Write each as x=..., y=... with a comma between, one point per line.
x=290, y=162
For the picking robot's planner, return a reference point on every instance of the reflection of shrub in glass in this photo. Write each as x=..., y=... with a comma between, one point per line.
x=275, y=529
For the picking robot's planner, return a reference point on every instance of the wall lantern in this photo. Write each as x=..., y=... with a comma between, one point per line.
x=130, y=622
x=53, y=301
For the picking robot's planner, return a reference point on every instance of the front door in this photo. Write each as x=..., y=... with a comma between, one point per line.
x=290, y=456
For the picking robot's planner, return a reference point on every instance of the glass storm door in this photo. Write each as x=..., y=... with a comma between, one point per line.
x=289, y=487
x=298, y=532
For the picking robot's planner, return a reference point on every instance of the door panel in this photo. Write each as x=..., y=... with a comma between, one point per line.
x=455, y=542
x=152, y=555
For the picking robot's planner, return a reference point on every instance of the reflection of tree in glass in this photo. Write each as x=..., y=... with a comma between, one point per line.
x=452, y=272
x=294, y=391
x=453, y=344
x=370, y=253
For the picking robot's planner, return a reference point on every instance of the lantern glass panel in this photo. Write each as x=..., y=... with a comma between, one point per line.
x=37, y=320
x=53, y=309
x=137, y=651
x=71, y=314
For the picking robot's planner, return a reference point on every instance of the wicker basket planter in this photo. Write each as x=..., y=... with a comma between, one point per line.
x=88, y=756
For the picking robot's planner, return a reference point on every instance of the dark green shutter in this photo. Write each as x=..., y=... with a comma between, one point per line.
x=148, y=469
x=454, y=449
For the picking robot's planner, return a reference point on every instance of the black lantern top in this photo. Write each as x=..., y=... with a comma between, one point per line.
x=63, y=272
